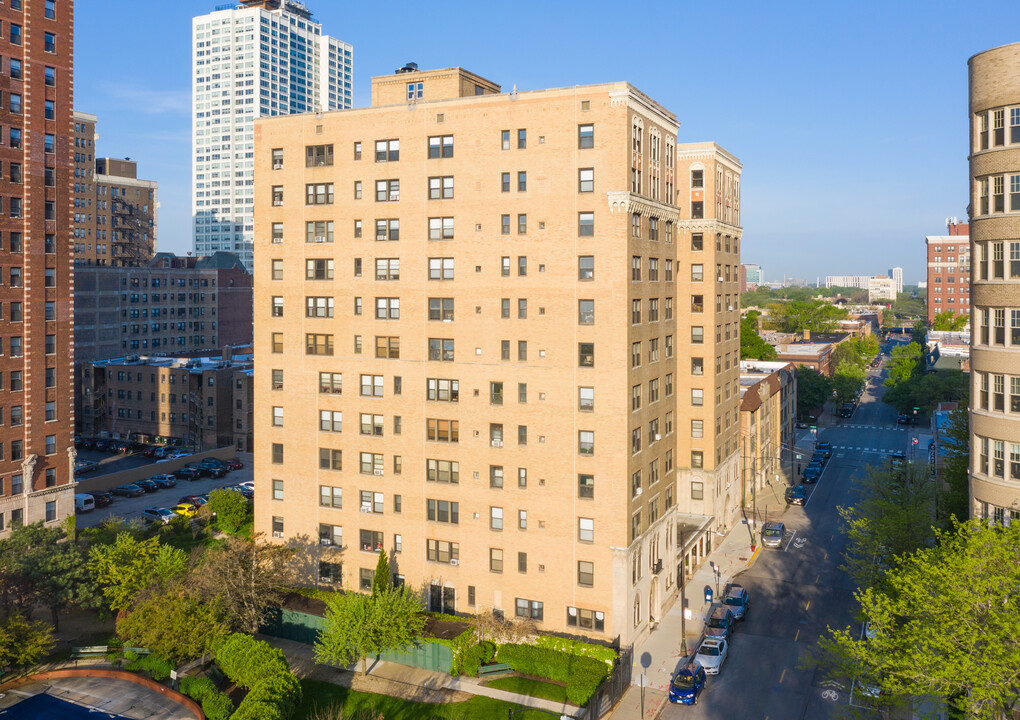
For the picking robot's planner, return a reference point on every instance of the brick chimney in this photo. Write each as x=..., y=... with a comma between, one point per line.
x=807, y=335
x=228, y=353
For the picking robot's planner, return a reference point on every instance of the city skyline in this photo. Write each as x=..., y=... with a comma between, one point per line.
x=851, y=87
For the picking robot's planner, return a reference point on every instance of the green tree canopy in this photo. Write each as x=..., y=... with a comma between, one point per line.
x=906, y=360
x=954, y=444
x=23, y=643
x=174, y=623
x=813, y=389
x=752, y=346
x=361, y=625
x=848, y=381
x=925, y=391
x=949, y=321
x=230, y=509
x=129, y=566
x=946, y=624
x=381, y=581
x=799, y=315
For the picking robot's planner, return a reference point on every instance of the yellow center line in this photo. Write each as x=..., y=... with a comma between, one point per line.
x=818, y=578
x=808, y=606
x=826, y=556
x=796, y=636
x=782, y=676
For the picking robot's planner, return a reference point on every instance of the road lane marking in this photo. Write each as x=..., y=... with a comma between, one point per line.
x=785, y=549
x=826, y=555
x=808, y=606
x=797, y=635
x=818, y=578
x=783, y=675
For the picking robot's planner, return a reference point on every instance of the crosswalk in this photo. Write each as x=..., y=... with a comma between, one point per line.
x=898, y=428
x=856, y=448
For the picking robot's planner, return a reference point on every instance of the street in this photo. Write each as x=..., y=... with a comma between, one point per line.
x=798, y=590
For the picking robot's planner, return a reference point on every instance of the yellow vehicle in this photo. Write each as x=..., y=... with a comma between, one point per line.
x=184, y=509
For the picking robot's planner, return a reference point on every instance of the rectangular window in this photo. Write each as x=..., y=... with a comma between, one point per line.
x=586, y=180
x=444, y=471
x=441, y=146
x=441, y=228
x=585, y=573
x=387, y=190
x=318, y=344
x=441, y=188
x=441, y=349
x=586, y=354
x=586, y=442
x=387, y=150
x=585, y=136
x=322, y=155
x=586, y=224
x=319, y=194
x=441, y=268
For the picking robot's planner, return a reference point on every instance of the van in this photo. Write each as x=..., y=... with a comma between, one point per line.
x=84, y=503
x=772, y=534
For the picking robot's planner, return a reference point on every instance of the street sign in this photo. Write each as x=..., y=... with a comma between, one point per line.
x=914, y=442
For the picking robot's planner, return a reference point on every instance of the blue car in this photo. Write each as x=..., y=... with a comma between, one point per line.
x=687, y=684
x=811, y=474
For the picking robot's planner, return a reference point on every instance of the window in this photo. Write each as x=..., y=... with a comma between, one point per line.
x=387, y=229
x=585, y=573
x=697, y=397
x=357, y=151
x=586, y=442
x=522, y=224
x=586, y=224
x=441, y=188
x=522, y=181
x=320, y=231
x=319, y=194
x=528, y=608
x=440, y=228
x=442, y=430
x=586, y=180
x=315, y=269
x=444, y=471
x=586, y=486
x=277, y=416
x=586, y=312
x=443, y=511
x=322, y=155
x=585, y=136
x=586, y=354
x=522, y=309
x=586, y=399
x=315, y=307
x=387, y=150
x=49, y=76
x=496, y=518
x=318, y=344
x=331, y=420
x=387, y=347
x=496, y=560
x=586, y=530
x=443, y=390
x=697, y=490
x=371, y=424
x=504, y=222
x=387, y=190
x=415, y=91
x=441, y=309
x=635, y=312
x=697, y=335
x=505, y=139
x=697, y=459
x=442, y=551
x=522, y=139
x=387, y=308
x=440, y=268
x=441, y=146
x=586, y=267
x=441, y=349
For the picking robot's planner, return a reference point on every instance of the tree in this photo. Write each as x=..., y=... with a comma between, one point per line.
x=46, y=568
x=848, y=381
x=813, y=389
x=230, y=509
x=893, y=517
x=904, y=362
x=925, y=391
x=949, y=321
x=798, y=315
x=752, y=346
x=360, y=625
x=946, y=625
x=381, y=581
x=129, y=566
x=22, y=642
x=174, y=624
x=954, y=446
x=248, y=576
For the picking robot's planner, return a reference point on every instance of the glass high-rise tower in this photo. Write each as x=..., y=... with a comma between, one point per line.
x=256, y=58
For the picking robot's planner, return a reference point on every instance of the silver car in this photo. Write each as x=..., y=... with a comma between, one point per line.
x=772, y=534
x=712, y=654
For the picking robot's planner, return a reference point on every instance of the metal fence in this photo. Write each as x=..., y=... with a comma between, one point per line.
x=610, y=691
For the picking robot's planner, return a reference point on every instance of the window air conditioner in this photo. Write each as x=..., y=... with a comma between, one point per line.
x=455, y=561
x=378, y=472
x=278, y=166
x=637, y=493
x=277, y=534
x=280, y=202
x=277, y=240
x=325, y=541
x=366, y=508
x=497, y=443
x=658, y=436
x=325, y=579
x=320, y=238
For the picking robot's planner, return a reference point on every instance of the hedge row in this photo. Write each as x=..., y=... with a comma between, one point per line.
x=578, y=647
x=582, y=675
x=274, y=693
x=477, y=656
x=159, y=667
x=215, y=705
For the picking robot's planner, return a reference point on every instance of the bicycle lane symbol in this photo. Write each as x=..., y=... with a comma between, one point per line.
x=830, y=695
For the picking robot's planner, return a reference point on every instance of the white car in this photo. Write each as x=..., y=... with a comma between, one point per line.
x=247, y=483
x=158, y=515
x=712, y=654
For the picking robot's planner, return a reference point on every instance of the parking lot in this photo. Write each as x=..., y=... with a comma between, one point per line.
x=131, y=508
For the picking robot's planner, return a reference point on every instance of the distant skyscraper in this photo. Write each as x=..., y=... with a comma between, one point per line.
x=255, y=59
x=754, y=275
x=896, y=274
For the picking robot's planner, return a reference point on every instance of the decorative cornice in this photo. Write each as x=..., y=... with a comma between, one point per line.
x=631, y=97
x=703, y=224
x=627, y=202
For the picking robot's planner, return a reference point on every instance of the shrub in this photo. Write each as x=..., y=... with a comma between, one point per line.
x=246, y=660
x=217, y=706
x=257, y=711
x=132, y=661
x=577, y=647
x=230, y=509
x=197, y=688
x=477, y=656
x=159, y=667
x=282, y=689
x=582, y=675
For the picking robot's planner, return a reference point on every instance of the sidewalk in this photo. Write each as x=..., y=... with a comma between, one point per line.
x=659, y=656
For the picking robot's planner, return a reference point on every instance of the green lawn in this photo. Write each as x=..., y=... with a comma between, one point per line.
x=323, y=694
x=527, y=686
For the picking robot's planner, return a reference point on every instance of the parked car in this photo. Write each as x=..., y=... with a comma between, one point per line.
x=687, y=684
x=202, y=470
x=215, y=462
x=214, y=471
x=185, y=509
x=720, y=621
x=87, y=466
x=100, y=445
x=128, y=490
x=737, y=600
x=904, y=419
x=175, y=454
x=796, y=495
x=246, y=492
x=248, y=484
x=102, y=499
x=197, y=501
x=810, y=476
x=147, y=485
x=712, y=654
x=151, y=451
x=824, y=447
x=235, y=464
x=846, y=411
x=164, y=481
x=820, y=458
x=772, y=534
x=186, y=473
x=158, y=515
x=83, y=503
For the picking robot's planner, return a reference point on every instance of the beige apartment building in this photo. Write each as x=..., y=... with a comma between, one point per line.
x=995, y=283
x=768, y=407
x=493, y=290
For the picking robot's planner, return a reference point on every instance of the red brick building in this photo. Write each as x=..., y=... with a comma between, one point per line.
x=949, y=271
x=36, y=80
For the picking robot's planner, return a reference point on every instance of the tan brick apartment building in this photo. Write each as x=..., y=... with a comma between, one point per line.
x=949, y=271
x=768, y=408
x=995, y=283
x=36, y=85
x=500, y=296
x=114, y=210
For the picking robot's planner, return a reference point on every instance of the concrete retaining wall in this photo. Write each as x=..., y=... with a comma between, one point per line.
x=99, y=483
x=183, y=700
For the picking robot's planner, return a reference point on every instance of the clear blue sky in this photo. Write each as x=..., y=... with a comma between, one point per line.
x=850, y=118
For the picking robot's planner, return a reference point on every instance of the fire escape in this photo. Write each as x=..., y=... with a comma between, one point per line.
x=132, y=235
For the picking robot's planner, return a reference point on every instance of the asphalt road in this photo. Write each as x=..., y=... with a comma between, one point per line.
x=131, y=508
x=798, y=591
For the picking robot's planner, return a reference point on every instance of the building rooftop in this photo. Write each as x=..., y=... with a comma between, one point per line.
x=195, y=364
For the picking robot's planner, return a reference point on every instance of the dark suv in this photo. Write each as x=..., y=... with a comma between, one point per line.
x=720, y=621
x=737, y=600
